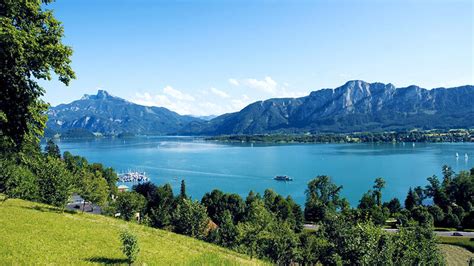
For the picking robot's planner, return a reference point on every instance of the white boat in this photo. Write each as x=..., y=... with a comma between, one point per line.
x=283, y=178
x=465, y=156
x=457, y=155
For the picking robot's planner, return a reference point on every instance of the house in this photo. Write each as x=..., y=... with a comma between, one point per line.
x=122, y=188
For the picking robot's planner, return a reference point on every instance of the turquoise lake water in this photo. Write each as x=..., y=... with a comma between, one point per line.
x=239, y=168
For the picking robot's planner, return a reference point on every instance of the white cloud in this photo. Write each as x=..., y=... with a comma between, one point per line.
x=202, y=101
x=239, y=104
x=187, y=104
x=267, y=85
x=234, y=82
x=168, y=90
x=220, y=93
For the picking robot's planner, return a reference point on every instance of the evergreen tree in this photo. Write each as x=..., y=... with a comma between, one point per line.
x=52, y=149
x=411, y=199
x=182, y=190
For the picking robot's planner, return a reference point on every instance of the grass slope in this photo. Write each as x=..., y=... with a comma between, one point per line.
x=456, y=255
x=461, y=241
x=33, y=233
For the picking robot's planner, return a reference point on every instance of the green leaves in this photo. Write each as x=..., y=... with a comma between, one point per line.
x=31, y=49
x=130, y=246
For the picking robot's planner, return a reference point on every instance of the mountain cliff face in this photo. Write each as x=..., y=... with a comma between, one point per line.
x=107, y=114
x=355, y=106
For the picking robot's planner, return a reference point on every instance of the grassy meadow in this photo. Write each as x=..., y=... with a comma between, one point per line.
x=33, y=233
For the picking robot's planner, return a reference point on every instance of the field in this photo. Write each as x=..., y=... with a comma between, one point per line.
x=456, y=255
x=32, y=233
x=465, y=242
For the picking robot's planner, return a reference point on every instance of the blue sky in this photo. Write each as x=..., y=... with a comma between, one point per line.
x=212, y=57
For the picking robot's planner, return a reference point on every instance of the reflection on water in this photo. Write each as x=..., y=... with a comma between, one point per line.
x=242, y=167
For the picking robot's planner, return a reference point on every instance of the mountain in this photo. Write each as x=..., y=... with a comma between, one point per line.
x=355, y=106
x=106, y=114
x=206, y=117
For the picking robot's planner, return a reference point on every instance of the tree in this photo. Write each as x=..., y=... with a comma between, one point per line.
x=422, y=216
x=437, y=192
x=461, y=190
x=227, y=231
x=437, y=213
x=297, y=215
x=31, y=50
x=214, y=205
x=448, y=174
x=451, y=220
x=322, y=199
x=420, y=195
x=367, y=201
x=182, y=190
x=190, y=218
x=128, y=204
x=19, y=182
x=162, y=206
x=411, y=200
x=93, y=188
x=394, y=206
x=54, y=181
x=313, y=248
x=52, y=149
x=414, y=244
x=378, y=186
x=130, y=246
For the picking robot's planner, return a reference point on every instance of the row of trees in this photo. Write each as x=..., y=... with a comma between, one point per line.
x=271, y=226
x=460, y=135
x=446, y=203
x=49, y=178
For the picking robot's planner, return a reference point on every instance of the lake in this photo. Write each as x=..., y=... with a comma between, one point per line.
x=239, y=168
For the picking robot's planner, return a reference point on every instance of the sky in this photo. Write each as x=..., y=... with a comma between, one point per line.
x=213, y=57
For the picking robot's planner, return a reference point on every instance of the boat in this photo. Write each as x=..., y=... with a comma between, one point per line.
x=457, y=155
x=465, y=156
x=283, y=178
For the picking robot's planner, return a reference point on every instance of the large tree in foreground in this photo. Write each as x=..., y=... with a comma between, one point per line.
x=30, y=50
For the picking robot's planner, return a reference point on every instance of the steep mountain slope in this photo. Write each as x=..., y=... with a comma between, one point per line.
x=112, y=115
x=355, y=106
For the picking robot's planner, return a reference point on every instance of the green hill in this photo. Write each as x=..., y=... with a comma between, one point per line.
x=33, y=233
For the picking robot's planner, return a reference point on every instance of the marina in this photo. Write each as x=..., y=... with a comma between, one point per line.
x=133, y=176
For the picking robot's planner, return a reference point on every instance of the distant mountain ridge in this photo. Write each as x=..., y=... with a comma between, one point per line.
x=110, y=115
x=355, y=106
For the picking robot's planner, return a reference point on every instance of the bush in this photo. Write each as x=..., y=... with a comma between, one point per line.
x=21, y=183
x=130, y=246
x=451, y=220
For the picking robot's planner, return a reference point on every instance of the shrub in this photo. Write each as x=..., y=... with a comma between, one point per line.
x=130, y=246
